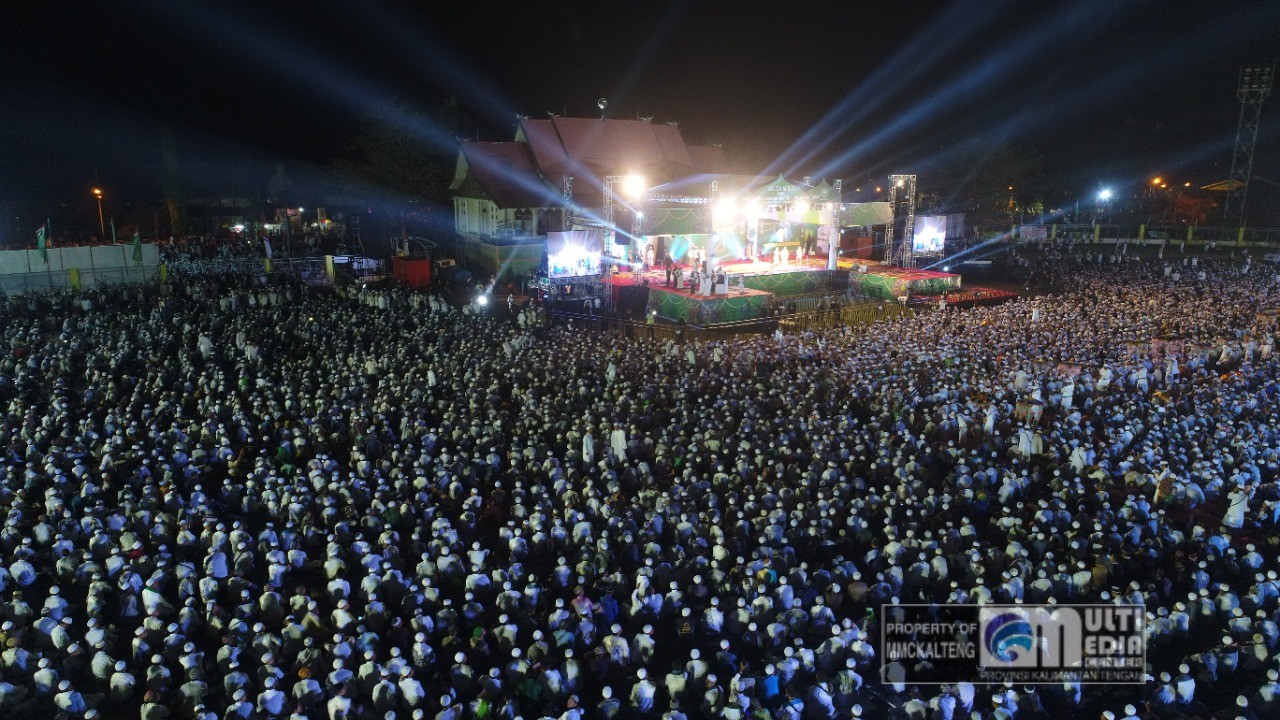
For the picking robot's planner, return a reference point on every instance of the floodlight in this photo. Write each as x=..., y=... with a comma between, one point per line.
x=1104, y=194
x=633, y=186
x=724, y=210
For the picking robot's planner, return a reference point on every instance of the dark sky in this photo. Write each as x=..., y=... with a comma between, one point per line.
x=1107, y=91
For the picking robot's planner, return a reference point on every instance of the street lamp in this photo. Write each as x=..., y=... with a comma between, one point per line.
x=102, y=226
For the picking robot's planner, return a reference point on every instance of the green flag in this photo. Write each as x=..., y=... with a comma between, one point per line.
x=137, y=246
x=114, y=241
x=42, y=241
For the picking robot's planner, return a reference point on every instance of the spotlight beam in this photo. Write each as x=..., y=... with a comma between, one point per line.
x=985, y=75
x=909, y=63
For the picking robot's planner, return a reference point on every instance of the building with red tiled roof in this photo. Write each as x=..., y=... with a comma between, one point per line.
x=512, y=193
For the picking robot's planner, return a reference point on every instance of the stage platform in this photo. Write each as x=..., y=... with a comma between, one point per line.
x=887, y=282
x=761, y=282
x=644, y=292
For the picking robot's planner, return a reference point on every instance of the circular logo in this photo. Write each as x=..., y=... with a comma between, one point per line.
x=1007, y=636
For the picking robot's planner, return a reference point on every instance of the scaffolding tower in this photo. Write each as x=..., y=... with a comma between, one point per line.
x=1255, y=86
x=899, y=252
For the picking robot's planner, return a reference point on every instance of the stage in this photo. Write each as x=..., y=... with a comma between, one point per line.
x=643, y=292
x=887, y=282
x=760, y=282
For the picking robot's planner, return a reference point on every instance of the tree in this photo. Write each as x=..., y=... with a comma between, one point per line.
x=994, y=181
x=175, y=201
x=399, y=156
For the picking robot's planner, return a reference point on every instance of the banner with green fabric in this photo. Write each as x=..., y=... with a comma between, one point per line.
x=42, y=241
x=706, y=310
x=789, y=283
x=866, y=214
x=677, y=221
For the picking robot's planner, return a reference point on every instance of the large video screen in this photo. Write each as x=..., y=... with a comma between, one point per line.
x=575, y=253
x=930, y=234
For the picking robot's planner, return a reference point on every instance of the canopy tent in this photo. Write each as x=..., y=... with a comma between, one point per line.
x=823, y=193
x=779, y=192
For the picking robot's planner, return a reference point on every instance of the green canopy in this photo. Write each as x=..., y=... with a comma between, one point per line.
x=823, y=193
x=779, y=192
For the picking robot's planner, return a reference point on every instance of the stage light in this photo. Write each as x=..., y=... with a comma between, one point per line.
x=901, y=183
x=946, y=268
x=1104, y=194
x=1186, y=184
x=633, y=186
x=802, y=206
x=238, y=228
x=724, y=210
x=878, y=189
x=1156, y=181
x=482, y=300
x=639, y=215
x=753, y=208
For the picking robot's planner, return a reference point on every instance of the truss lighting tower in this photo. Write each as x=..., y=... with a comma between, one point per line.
x=1255, y=86
x=900, y=253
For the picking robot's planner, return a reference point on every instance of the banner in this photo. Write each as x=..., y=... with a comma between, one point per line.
x=42, y=241
x=866, y=214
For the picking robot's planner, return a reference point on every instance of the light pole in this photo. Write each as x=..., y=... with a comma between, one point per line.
x=102, y=226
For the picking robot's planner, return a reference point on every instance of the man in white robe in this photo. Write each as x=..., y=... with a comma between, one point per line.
x=588, y=449
x=1237, y=506
x=618, y=442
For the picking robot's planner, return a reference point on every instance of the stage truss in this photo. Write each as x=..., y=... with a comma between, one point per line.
x=900, y=252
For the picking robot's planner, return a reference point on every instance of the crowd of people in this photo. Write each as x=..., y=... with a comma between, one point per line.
x=233, y=498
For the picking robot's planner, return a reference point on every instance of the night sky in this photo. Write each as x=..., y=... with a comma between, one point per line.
x=1106, y=91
